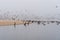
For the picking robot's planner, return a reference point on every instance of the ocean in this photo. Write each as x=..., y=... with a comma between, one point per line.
x=30, y=32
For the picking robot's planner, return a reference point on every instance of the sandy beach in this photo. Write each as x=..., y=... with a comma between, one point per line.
x=11, y=22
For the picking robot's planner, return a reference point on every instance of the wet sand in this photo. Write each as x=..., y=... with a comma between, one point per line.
x=11, y=22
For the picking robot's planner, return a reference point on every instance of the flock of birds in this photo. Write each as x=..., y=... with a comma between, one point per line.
x=38, y=21
x=41, y=22
x=27, y=22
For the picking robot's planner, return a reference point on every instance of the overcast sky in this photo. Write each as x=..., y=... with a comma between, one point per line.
x=36, y=7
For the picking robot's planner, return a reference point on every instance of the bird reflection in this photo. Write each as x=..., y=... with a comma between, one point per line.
x=14, y=25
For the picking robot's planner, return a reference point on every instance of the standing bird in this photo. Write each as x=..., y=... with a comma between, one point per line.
x=44, y=24
x=14, y=24
x=38, y=22
x=32, y=21
x=28, y=22
x=57, y=22
x=52, y=21
x=25, y=24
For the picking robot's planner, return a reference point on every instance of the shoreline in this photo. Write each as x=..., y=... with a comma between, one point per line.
x=11, y=22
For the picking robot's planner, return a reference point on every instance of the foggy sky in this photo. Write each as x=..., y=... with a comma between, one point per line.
x=35, y=7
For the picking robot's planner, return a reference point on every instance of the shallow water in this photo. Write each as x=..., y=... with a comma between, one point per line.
x=31, y=32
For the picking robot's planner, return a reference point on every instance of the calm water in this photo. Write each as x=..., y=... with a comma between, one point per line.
x=31, y=32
